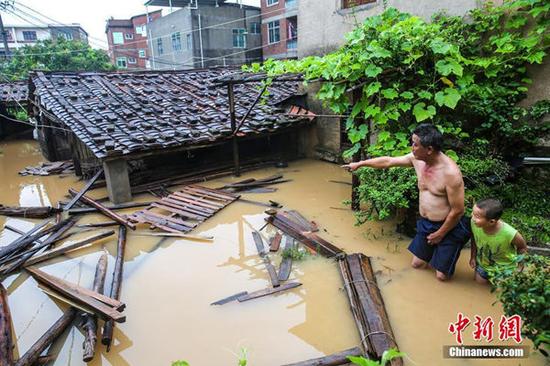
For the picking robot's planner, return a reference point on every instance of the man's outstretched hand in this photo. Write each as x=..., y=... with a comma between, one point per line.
x=351, y=166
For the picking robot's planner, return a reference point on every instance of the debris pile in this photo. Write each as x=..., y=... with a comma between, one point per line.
x=47, y=168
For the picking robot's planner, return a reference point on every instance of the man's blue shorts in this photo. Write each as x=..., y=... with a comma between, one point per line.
x=443, y=256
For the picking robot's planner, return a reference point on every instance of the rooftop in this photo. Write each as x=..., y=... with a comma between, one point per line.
x=137, y=112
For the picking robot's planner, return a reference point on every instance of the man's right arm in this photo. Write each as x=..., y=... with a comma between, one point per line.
x=382, y=162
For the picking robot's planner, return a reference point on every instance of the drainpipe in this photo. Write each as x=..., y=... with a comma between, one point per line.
x=150, y=39
x=200, y=41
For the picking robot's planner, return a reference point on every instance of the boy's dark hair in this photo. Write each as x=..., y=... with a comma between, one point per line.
x=493, y=208
x=429, y=135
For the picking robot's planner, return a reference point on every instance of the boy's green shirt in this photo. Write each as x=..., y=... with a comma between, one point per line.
x=494, y=248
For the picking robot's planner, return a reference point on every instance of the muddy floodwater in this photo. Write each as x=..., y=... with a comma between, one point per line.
x=169, y=284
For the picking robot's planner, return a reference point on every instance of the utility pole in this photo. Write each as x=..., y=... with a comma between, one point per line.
x=4, y=4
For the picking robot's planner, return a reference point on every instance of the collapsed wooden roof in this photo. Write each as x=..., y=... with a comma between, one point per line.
x=135, y=112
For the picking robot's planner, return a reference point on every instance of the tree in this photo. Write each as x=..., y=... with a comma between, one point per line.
x=55, y=55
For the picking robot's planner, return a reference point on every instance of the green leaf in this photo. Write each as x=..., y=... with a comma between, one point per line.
x=390, y=93
x=515, y=22
x=465, y=80
x=351, y=151
x=407, y=95
x=449, y=66
x=371, y=110
x=439, y=46
x=448, y=97
x=389, y=355
x=421, y=112
x=536, y=57
x=180, y=363
x=361, y=361
x=356, y=135
x=373, y=71
x=425, y=94
x=373, y=88
x=383, y=136
x=452, y=154
x=404, y=106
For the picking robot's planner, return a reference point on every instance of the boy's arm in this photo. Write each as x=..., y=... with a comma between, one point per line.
x=520, y=243
x=473, y=252
x=382, y=162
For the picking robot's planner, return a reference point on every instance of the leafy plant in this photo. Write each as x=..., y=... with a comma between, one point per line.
x=295, y=252
x=387, y=356
x=243, y=357
x=180, y=363
x=525, y=290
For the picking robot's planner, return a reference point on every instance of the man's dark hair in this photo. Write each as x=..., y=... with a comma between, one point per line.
x=429, y=135
x=493, y=208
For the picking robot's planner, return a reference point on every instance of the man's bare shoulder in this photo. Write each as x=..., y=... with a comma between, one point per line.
x=453, y=175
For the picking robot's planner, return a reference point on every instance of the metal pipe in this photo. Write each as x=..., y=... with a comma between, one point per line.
x=231, y=96
x=200, y=41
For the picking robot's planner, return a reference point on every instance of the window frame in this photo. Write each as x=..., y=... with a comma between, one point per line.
x=189, y=41
x=239, y=34
x=350, y=4
x=132, y=60
x=160, y=46
x=116, y=35
x=176, y=41
x=128, y=36
x=31, y=39
x=255, y=26
x=269, y=30
x=124, y=59
x=273, y=2
x=142, y=53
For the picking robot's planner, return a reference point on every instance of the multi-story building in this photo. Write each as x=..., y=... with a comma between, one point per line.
x=280, y=28
x=127, y=39
x=27, y=35
x=205, y=33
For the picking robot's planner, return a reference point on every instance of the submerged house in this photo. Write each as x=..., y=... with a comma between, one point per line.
x=13, y=95
x=136, y=121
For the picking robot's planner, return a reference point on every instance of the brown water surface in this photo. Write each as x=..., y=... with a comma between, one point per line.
x=169, y=284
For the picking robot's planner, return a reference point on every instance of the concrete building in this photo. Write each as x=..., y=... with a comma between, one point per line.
x=28, y=35
x=127, y=39
x=204, y=33
x=280, y=28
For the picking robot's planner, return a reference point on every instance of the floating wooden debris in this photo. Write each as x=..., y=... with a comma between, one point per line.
x=58, y=167
x=340, y=358
x=254, y=184
x=104, y=306
x=83, y=190
x=89, y=321
x=229, y=298
x=122, y=206
x=263, y=253
x=286, y=264
x=275, y=243
x=268, y=291
x=182, y=211
x=29, y=212
x=116, y=285
x=6, y=334
x=367, y=306
x=295, y=225
x=104, y=210
x=32, y=355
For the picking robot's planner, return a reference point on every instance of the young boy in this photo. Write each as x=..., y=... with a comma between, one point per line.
x=493, y=240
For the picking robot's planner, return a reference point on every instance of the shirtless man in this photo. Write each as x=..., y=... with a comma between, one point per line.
x=442, y=230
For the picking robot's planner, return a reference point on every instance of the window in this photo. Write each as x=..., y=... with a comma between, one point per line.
x=67, y=36
x=160, y=48
x=176, y=41
x=132, y=60
x=118, y=38
x=351, y=3
x=271, y=2
x=189, y=42
x=121, y=62
x=290, y=3
x=141, y=53
x=255, y=28
x=141, y=29
x=128, y=36
x=274, y=31
x=8, y=36
x=29, y=35
x=239, y=38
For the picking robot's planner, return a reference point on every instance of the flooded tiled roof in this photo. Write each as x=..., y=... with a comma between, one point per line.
x=130, y=113
x=13, y=93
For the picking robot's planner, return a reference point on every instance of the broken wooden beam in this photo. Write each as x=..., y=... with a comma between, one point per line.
x=122, y=206
x=286, y=263
x=104, y=210
x=367, y=306
x=234, y=297
x=99, y=303
x=263, y=253
x=32, y=355
x=83, y=190
x=89, y=321
x=275, y=243
x=62, y=250
x=340, y=358
x=25, y=240
x=268, y=291
x=40, y=212
x=116, y=285
x=6, y=334
x=99, y=224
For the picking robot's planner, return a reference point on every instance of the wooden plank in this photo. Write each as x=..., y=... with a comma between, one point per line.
x=166, y=226
x=62, y=250
x=259, y=243
x=178, y=211
x=79, y=294
x=83, y=190
x=201, y=197
x=47, y=339
x=340, y=358
x=185, y=206
x=229, y=298
x=275, y=242
x=286, y=264
x=229, y=195
x=190, y=225
x=105, y=211
x=116, y=285
x=268, y=291
x=122, y=206
x=192, y=204
x=196, y=201
x=272, y=272
x=6, y=334
x=210, y=195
